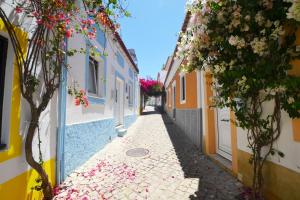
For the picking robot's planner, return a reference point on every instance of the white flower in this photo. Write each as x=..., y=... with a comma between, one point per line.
x=294, y=10
x=259, y=18
x=245, y=28
x=290, y=100
x=219, y=68
x=232, y=62
x=268, y=24
x=239, y=43
x=247, y=17
x=242, y=81
x=259, y=46
x=263, y=32
x=234, y=23
x=278, y=31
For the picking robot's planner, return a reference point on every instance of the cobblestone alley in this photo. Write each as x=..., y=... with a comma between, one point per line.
x=171, y=168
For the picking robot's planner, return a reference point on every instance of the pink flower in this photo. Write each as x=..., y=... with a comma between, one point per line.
x=91, y=35
x=77, y=101
x=85, y=198
x=18, y=9
x=69, y=32
x=90, y=22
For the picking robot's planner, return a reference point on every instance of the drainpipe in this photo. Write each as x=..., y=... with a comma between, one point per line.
x=204, y=109
x=60, y=173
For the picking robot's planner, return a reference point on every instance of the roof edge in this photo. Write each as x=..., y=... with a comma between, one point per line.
x=183, y=29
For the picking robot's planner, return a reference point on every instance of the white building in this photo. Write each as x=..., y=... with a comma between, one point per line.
x=112, y=87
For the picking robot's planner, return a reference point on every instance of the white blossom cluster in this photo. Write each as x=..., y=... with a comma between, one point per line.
x=294, y=10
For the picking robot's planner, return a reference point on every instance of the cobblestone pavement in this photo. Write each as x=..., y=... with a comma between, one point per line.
x=174, y=169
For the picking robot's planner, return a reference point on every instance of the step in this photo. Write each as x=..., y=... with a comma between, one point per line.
x=121, y=132
x=119, y=127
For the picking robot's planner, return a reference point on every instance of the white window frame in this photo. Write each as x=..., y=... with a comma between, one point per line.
x=182, y=77
x=99, y=83
x=8, y=88
x=169, y=97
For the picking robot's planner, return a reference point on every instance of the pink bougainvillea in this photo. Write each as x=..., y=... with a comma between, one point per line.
x=151, y=87
x=88, y=184
x=67, y=17
x=80, y=97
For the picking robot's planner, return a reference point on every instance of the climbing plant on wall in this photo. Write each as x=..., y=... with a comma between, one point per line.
x=50, y=23
x=247, y=47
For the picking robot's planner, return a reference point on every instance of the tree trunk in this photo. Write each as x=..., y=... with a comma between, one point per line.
x=46, y=186
x=257, y=184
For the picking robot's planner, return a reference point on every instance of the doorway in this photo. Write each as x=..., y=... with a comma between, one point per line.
x=174, y=102
x=223, y=140
x=119, y=102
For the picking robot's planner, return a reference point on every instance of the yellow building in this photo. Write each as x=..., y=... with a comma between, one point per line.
x=227, y=144
x=17, y=178
x=183, y=96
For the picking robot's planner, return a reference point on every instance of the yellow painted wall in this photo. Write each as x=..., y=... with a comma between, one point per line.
x=296, y=71
x=296, y=129
x=19, y=188
x=210, y=134
x=234, y=146
x=15, y=145
x=280, y=182
x=191, y=91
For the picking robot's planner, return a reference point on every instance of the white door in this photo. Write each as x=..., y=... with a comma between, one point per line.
x=224, y=133
x=119, y=102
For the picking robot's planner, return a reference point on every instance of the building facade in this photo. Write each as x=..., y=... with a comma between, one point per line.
x=223, y=141
x=16, y=177
x=183, y=97
x=111, y=85
x=70, y=134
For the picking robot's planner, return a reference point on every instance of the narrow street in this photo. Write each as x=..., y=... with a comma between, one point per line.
x=166, y=166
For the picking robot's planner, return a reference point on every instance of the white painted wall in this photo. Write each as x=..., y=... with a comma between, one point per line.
x=95, y=112
x=285, y=144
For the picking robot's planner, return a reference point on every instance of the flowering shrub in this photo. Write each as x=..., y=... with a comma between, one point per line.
x=79, y=96
x=247, y=47
x=151, y=87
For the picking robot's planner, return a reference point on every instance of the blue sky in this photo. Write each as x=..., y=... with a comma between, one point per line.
x=152, y=31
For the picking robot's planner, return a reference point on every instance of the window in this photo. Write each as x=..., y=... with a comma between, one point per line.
x=130, y=94
x=182, y=89
x=93, y=76
x=120, y=59
x=3, y=57
x=130, y=73
x=96, y=79
x=170, y=97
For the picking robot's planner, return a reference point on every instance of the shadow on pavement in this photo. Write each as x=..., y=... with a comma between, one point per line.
x=214, y=182
x=150, y=112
